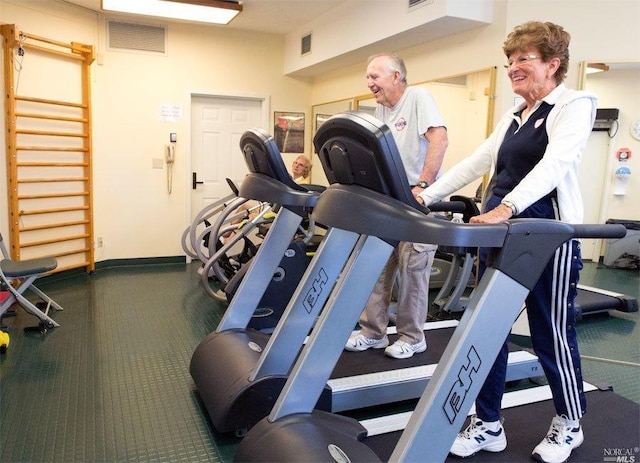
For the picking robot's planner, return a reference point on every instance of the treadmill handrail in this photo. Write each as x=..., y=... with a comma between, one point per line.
x=368, y=212
x=262, y=187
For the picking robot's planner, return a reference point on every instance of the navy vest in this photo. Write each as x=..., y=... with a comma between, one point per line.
x=521, y=150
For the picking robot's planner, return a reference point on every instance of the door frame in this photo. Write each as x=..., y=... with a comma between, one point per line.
x=264, y=100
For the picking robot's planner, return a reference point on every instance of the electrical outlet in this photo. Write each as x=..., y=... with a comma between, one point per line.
x=99, y=242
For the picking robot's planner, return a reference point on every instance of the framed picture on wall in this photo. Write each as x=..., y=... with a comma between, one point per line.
x=320, y=119
x=289, y=131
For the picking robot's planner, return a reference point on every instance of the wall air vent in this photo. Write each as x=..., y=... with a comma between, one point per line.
x=305, y=45
x=418, y=3
x=137, y=37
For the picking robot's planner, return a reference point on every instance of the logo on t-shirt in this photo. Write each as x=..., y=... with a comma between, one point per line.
x=401, y=124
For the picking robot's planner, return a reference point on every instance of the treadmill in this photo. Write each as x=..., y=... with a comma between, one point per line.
x=360, y=158
x=239, y=371
x=590, y=300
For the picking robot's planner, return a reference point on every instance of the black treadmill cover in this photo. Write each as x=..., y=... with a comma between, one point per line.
x=369, y=158
x=263, y=157
x=269, y=179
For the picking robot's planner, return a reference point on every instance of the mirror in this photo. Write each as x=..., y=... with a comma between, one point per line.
x=319, y=114
x=366, y=104
x=606, y=196
x=466, y=103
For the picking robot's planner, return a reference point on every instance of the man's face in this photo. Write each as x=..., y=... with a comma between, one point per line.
x=385, y=86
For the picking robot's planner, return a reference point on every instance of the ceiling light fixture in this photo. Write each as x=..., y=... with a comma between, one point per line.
x=209, y=11
x=592, y=68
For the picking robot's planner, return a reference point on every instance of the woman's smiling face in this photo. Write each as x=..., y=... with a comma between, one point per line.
x=530, y=76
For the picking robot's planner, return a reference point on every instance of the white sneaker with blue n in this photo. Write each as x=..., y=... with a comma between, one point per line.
x=564, y=435
x=480, y=435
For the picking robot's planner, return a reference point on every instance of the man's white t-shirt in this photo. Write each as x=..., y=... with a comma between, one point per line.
x=408, y=121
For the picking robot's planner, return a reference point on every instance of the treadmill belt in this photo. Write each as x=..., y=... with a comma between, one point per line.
x=375, y=360
x=611, y=424
x=588, y=301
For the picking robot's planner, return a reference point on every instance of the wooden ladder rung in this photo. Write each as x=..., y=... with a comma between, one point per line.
x=54, y=240
x=51, y=133
x=54, y=225
x=71, y=252
x=46, y=40
x=54, y=195
x=51, y=148
x=74, y=251
x=52, y=164
x=51, y=51
x=54, y=210
x=53, y=180
x=52, y=102
x=52, y=117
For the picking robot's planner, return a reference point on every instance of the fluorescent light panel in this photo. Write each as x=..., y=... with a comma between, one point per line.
x=177, y=10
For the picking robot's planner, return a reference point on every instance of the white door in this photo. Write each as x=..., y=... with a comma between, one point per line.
x=592, y=178
x=217, y=123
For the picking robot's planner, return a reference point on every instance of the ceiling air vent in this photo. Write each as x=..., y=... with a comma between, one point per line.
x=137, y=37
x=305, y=44
x=417, y=3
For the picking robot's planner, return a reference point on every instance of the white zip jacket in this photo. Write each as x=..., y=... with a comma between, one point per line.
x=568, y=127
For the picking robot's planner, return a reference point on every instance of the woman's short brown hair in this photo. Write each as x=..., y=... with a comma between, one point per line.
x=551, y=40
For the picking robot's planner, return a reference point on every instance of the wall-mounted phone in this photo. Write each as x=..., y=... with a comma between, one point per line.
x=170, y=158
x=170, y=154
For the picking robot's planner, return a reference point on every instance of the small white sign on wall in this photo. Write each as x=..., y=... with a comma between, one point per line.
x=170, y=113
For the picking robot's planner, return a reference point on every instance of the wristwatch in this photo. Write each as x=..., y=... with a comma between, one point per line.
x=422, y=184
x=511, y=206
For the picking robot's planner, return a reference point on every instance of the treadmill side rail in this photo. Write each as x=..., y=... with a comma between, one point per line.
x=260, y=272
x=464, y=366
x=306, y=303
x=318, y=358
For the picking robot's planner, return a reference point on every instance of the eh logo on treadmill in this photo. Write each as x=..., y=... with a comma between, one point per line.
x=314, y=292
x=458, y=392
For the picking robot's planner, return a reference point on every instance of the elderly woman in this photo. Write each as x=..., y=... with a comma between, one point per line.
x=533, y=156
x=300, y=170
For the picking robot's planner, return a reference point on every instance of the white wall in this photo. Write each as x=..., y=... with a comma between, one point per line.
x=134, y=214
x=620, y=89
x=593, y=39
x=378, y=22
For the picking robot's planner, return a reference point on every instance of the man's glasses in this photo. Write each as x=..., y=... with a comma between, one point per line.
x=520, y=60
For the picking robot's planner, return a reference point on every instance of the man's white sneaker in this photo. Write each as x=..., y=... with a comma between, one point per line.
x=359, y=342
x=404, y=350
x=561, y=439
x=478, y=437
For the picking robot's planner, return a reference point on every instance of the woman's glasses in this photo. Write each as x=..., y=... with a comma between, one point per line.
x=520, y=60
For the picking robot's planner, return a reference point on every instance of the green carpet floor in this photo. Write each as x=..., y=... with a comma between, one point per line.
x=112, y=383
